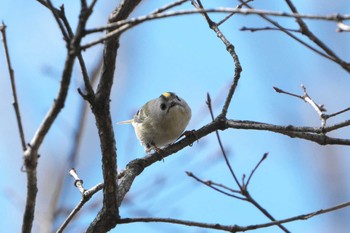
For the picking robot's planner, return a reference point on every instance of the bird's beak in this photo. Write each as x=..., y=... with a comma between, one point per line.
x=174, y=103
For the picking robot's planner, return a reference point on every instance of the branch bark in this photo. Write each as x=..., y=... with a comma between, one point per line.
x=109, y=214
x=31, y=154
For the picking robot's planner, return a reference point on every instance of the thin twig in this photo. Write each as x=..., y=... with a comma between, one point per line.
x=267, y=29
x=307, y=32
x=55, y=11
x=221, y=145
x=287, y=32
x=336, y=126
x=231, y=49
x=212, y=183
x=255, y=168
x=320, y=109
x=31, y=154
x=86, y=196
x=232, y=13
x=326, y=116
x=235, y=228
x=216, y=226
x=78, y=131
x=251, y=200
x=278, y=90
x=123, y=25
x=169, y=6
x=308, y=133
x=237, y=10
x=13, y=87
x=209, y=184
x=88, y=87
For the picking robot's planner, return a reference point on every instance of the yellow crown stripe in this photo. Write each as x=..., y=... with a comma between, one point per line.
x=166, y=94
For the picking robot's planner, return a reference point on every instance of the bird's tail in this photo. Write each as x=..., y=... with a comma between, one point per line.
x=125, y=122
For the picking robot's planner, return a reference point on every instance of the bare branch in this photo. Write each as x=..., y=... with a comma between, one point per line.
x=320, y=109
x=31, y=154
x=267, y=29
x=237, y=73
x=235, y=228
x=88, y=87
x=86, y=196
x=13, y=86
x=287, y=32
x=232, y=13
x=55, y=13
x=221, y=145
x=169, y=6
x=216, y=226
x=213, y=183
x=210, y=185
x=123, y=25
x=336, y=126
x=305, y=31
x=253, y=171
x=308, y=133
x=108, y=215
x=326, y=116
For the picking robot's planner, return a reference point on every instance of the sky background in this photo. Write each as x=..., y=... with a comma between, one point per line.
x=181, y=55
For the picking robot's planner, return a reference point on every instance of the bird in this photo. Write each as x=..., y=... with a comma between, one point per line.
x=161, y=121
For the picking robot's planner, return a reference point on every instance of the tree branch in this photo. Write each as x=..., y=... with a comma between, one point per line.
x=307, y=32
x=334, y=17
x=13, y=87
x=223, y=152
x=86, y=195
x=235, y=228
x=31, y=154
x=108, y=215
x=123, y=25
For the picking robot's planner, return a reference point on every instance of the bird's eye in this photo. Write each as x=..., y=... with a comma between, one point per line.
x=178, y=98
x=163, y=106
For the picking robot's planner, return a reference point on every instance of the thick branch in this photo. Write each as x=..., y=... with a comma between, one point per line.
x=108, y=215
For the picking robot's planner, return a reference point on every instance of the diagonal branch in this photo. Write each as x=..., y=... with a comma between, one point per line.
x=307, y=32
x=31, y=154
x=137, y=166
x=342, y=63
x=221, y=146
x=86, y=195
x=230, y=48
x=13, y=86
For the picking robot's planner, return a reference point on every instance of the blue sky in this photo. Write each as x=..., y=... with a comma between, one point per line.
x=182, y=55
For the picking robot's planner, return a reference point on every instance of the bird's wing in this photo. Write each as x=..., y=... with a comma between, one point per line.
x=140, y=116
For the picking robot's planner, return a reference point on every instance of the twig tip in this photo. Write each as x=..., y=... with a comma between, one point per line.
x=265, y=155
x=277, y=89
x=189, y=173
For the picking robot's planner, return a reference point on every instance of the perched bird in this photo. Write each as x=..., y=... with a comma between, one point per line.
x=160, y=121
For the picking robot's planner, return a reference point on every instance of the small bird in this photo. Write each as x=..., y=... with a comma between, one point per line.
x=160, y=121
